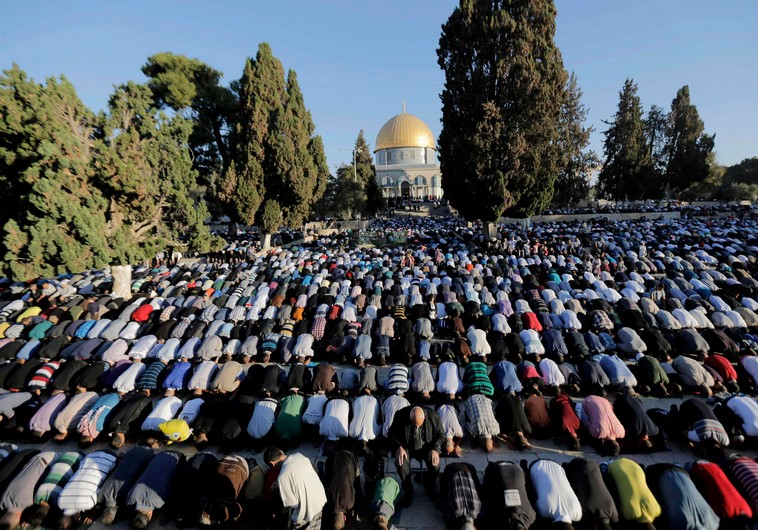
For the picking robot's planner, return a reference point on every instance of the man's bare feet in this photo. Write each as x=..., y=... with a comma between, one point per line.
x=142, y=519
x=109, y=515
x=201, y=440
x=117, y=440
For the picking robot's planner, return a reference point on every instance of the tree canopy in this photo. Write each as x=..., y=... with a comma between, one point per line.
x=275, y=156
x=193, y=89
x=53, y=222
x=501, y=106
x=653, y=156
x=687, y=146
x=86, y=191
x=573, y=182
x=628, y=166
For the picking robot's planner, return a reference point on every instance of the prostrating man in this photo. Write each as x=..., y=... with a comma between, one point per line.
x=127, y=417
x=505, y=497
x=696, y=421
x=556, y=501
x=586, y=478
x=299, y=488
x=602, y=424
x=479, y=420
x=641, y=431
x=342, y=485
x=152, y=489
x=386, y=493
x=81, y=492
x=417, y=433
x=514, y=426
x=119, y=483
x=462, y=505
x=19, y=495
x=637, y=503
x=684, y=505
x=220, y=503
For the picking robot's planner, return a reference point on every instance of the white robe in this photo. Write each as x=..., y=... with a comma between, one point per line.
x=314, y=412
x=301, y=489
x=335, y=422
x=390, y=406
x=365, y=424
x=556, y=500
x=166, y=409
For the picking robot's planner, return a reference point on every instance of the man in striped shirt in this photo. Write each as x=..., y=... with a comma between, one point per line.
x=477, y=380
x=80, y=493
x=48, y=491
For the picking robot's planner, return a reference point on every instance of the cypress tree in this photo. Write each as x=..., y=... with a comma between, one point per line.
x=656, y=121
x=261, y=95
x=316, y=149
x=366, y=172
x=293, y=178
x=628, y=167
x=687, y=146
x=573, y=183
x=504, y=87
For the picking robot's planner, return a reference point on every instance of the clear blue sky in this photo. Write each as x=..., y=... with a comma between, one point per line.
x=356, y=61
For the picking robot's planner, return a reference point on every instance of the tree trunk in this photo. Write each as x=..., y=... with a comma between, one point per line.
x=122, y=281
x=266, y=242
x=490, y=231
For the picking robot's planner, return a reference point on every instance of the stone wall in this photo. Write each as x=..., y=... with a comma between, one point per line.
x=570, y=218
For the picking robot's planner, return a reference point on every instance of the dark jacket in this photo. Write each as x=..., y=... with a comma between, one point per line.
x=431, y=430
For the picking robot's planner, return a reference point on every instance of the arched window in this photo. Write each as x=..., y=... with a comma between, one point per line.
x=435, y=181
x=387, y=181
x=420, y=181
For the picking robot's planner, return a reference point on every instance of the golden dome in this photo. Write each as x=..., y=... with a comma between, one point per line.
x=404, y=130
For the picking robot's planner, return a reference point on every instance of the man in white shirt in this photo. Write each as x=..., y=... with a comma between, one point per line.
x=365, y=426
x=449, y=379
x=390, y=406
x=299, y=488
x=336, y=418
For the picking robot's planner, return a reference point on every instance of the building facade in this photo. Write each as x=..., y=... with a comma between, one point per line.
x=406, y=159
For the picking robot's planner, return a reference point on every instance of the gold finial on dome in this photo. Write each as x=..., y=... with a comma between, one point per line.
x=404, y=130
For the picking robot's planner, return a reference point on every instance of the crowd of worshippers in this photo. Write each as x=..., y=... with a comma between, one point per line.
x=287, y=492
x=498, y=340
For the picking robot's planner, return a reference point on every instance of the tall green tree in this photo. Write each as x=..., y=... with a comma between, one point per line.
x=745, y=172
x=294, y=178
x=354, y=189
x=316, y=148
x=366, y=172
x=261, y=94
x=277, y=160
x=52, y=218
x=628, y=167
x=573, y=182
x=501, y=106
x=687, y=146
x=144, y=169
x=655, y=135
x=192, y=88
